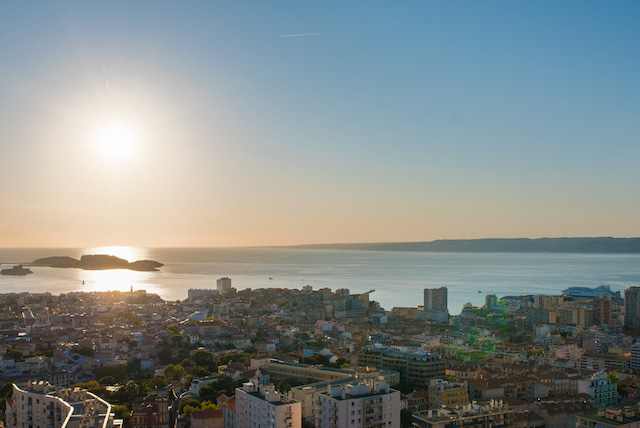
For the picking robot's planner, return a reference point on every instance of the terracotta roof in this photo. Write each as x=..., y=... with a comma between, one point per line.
x=206, y=414
x=231, y=403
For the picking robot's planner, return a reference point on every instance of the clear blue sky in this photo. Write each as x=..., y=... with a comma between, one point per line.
x=376, y=121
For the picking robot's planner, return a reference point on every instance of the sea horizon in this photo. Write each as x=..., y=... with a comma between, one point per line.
x=398, y=277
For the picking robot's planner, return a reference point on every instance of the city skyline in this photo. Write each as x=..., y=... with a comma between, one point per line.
x=159, y=124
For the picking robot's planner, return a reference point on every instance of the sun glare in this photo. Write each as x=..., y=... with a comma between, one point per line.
x=116, y=141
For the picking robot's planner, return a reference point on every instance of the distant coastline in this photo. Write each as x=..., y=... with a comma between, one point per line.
x=602, y=245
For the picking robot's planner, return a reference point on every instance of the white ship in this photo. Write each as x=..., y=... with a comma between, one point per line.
x=590, y=293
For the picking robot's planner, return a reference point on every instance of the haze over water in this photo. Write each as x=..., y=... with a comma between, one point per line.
x=398, y=278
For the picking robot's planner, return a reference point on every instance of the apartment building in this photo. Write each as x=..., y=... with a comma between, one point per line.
x=42, y=405
x=261, y=406
x=600, y=387
x=493, y=414
x=447, y=394
x=416, y=367
x=625, y=417
x=362, y=404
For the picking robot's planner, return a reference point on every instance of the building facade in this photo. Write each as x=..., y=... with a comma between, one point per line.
x=154, y=414
x=600, y=387
x=416, y=367
x=631, y=305
x=436, y=299
x=447, y=394
x=42, y=405
x=494, y=414
x=362, y=404
x=261, y=406
x=625, y=417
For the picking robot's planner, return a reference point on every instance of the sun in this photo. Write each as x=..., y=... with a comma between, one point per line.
x=116, y=141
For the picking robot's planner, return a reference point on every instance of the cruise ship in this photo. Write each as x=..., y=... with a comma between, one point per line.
x=590, y=293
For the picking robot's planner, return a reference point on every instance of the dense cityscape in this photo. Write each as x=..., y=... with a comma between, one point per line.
x=319, y=358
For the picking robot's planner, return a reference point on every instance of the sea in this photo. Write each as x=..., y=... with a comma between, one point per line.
x=395, y=278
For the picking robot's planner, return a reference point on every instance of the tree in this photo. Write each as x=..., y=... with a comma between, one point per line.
x=205, y=359
x=234, y=356
x=174, y=372
x=177, y=339
x=165, y=355
x=47, y=352
x=211, y=391
x=406, y=416
x=316, y=359
x=156, y=382
x=200, y=371
x=131, y=390
x=107, y=380
x=122, y=412
x=403, y=387
x=191, y=402
x=283, y=386
x=14, y=354
x=94, y=387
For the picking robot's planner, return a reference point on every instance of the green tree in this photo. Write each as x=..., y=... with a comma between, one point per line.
x=403, y=387
x=93, y=387
x=177, y=339
x=191, y=402
x=107, y=380
x=211, y=391
x=131, y=390
x=234, y=356
x=46, y=352
x=205, y=359
x=156, y=382
x=200, y=371
x=15, y=354
x=174, y=372
x=122, y=412
x=283, y=386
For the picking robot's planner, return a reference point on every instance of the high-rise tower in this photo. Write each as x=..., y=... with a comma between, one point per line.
x=631, y=305
x=435, y=299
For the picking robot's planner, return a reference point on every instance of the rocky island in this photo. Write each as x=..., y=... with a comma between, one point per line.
x=17, y=270
x=97, y=262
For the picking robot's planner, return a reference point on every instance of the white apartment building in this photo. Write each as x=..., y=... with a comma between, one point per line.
x=42, y=405
x=600, y=387
x=261, y=406
x=362, y=404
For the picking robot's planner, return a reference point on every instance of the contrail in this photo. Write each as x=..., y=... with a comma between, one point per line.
x=105, y=78
x=300, y=35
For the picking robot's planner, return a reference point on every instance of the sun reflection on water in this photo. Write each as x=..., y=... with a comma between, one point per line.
x=117, y=279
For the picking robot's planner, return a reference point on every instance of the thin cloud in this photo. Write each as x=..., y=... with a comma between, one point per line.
x=104, y=71
x=300, y=35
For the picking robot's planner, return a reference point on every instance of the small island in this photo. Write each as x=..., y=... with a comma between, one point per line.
x=17, y=270
x=97, y=262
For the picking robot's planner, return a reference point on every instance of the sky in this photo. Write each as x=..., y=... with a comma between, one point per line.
x=219, y=123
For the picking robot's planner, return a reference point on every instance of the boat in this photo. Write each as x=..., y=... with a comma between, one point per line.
x=590, y=293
